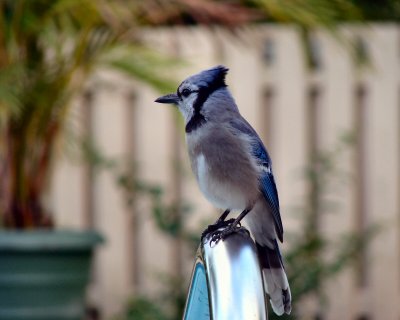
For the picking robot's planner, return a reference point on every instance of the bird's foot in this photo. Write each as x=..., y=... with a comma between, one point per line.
x=212, y=228
x=218, y=235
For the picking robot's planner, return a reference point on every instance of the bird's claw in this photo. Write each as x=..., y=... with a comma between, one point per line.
x=212, y=228
x=219, y=234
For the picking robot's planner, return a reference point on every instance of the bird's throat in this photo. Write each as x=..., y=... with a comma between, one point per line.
x=195, y=122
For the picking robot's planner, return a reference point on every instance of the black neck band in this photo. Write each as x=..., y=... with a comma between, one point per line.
x=198, y=119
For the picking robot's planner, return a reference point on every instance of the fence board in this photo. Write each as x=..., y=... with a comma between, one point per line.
x=382, y=168
x=109, y=136
x=67, y=185
x=290, y=133
x=337, y=121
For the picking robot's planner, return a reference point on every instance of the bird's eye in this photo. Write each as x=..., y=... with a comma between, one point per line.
x=186, y=92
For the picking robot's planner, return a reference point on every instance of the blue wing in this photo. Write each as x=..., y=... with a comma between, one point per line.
x=267, y=181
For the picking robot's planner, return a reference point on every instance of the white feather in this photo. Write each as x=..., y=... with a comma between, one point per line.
x=219, y=194
x=274, y=281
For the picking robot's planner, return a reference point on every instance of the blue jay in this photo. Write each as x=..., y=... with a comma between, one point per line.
x=234, y=172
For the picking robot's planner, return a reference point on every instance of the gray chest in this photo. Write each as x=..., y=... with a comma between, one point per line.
x=225, y=172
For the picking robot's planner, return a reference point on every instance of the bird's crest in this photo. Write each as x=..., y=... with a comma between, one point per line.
x=215, y=77
x=212, y=79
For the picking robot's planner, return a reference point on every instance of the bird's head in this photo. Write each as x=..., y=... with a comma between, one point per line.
x=194, y=91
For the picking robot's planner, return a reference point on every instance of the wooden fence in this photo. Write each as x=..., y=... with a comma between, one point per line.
x=297, y=110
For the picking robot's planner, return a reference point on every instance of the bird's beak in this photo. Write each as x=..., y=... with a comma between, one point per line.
x=169, y=98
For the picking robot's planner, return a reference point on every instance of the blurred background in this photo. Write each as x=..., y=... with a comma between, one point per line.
x=83, y=145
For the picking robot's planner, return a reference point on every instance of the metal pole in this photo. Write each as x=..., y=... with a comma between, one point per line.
x=226, y=281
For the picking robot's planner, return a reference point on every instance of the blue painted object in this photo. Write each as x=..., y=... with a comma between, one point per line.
x=197, y=304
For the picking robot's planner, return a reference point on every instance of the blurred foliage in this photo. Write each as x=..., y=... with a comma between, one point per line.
x=167, y=305
x=306, y=13
x=144, y=309
x=310, y=13
x=48, y=49
x=189, y=12
x=384, y=10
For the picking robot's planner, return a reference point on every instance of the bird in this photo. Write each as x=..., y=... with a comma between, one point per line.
x=234, y=172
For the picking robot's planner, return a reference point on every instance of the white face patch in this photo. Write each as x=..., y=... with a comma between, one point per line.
x=186, y=106
x=188, y=96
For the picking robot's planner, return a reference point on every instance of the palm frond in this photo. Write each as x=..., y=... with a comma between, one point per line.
x=146, y=66
x=310, y=13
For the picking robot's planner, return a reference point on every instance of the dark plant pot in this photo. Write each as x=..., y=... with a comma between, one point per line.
x=43, y=274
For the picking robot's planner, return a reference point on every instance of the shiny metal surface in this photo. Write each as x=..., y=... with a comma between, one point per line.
x=233, y=281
